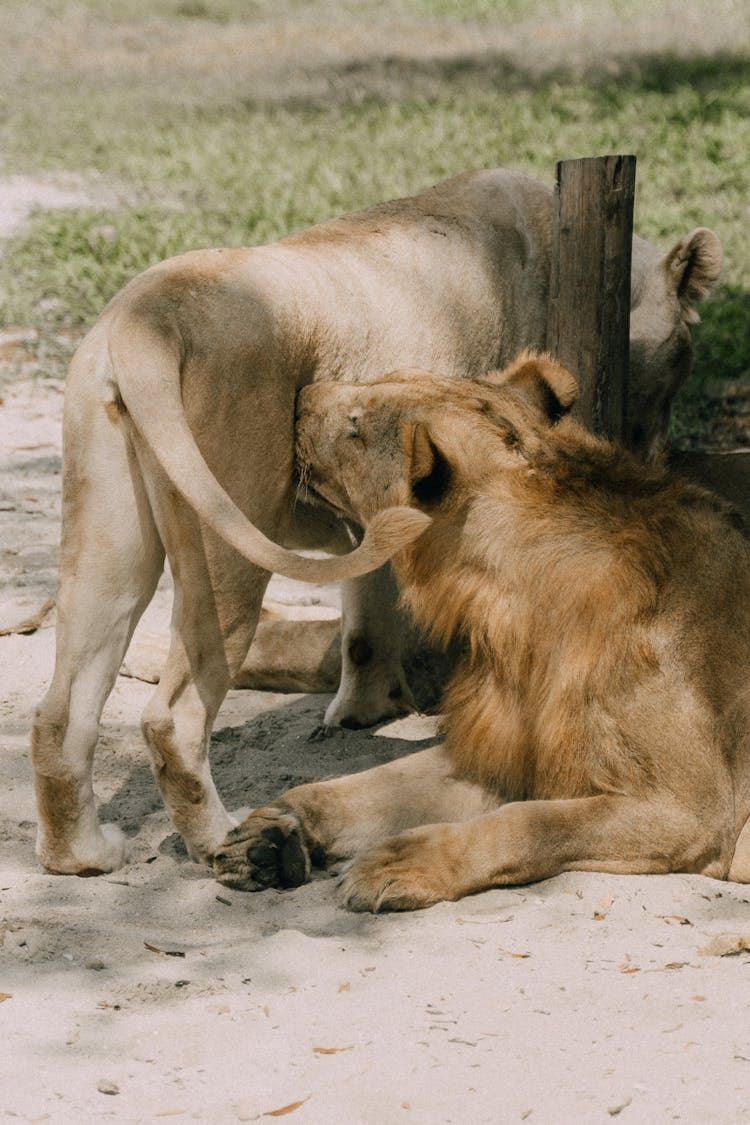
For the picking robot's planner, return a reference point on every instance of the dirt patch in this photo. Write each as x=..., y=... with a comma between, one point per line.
x=20, y=195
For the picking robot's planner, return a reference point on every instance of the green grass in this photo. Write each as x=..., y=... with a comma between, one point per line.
x=209, y=151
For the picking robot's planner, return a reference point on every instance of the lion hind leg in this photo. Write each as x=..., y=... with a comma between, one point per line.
x=110, y=565
x=218, y=597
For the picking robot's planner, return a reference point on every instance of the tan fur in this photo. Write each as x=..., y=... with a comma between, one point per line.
x=294, y=654
x=178, y=440
x=599, y=720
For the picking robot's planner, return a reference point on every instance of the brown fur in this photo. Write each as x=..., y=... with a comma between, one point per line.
x=599, y=719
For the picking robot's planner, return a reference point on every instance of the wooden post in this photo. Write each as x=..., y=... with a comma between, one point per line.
x=589, y=310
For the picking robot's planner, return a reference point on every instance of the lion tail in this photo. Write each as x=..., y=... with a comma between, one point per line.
x=143, y=376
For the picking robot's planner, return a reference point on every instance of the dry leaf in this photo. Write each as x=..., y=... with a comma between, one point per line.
x=286, y=1108
x=5, y=996
x=674, y=919
x=331, y=1050
x=166, y=952
x=484, y=921
x=29, y=624
x=345, y=987
x=604, y=905
x=725, y=945
x=510, y=953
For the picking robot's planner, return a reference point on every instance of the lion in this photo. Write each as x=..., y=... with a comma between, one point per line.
x=600, y=718
x=178, y=441
x=292, y=651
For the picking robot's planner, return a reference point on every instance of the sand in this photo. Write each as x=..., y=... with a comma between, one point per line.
x=154, y=992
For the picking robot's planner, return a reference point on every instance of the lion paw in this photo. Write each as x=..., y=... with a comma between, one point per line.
x=396, y=875
x=265, y=850
x=358, y=705
x=104, y=850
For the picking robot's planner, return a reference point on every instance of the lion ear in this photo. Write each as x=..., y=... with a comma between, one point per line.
x=693, y=267
x=427, y=469
x=545, y=384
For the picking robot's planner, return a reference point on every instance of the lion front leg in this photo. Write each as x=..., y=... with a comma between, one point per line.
x=525, y=841
x=373, y=683
x=332, y=820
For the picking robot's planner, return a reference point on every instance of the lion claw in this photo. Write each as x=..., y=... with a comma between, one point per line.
x=387, y=877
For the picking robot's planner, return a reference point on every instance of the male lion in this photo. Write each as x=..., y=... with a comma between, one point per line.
x=189, y=379
x=600, y=719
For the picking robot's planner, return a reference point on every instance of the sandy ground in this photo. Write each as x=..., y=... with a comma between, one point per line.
x=155, y=993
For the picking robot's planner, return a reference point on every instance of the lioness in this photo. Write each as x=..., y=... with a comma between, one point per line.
x=601, y=717
x=189, y=379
